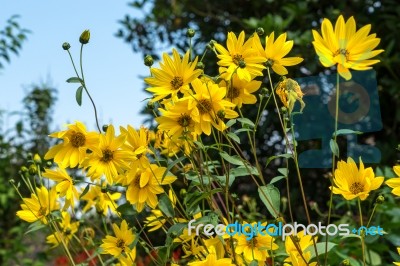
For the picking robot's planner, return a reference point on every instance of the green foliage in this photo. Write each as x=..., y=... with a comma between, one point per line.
x=11, y=39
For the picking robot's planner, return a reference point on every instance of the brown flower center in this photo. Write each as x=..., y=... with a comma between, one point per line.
x=176, y=82
x=184, y=120
x=238, y=60
x=204, y=106
x=233, y=92
x=252, y=242
x=77, y=139
x=121, y=244
x=42, y=211
x=107, y=155
x=356, y=188
x=343, y=52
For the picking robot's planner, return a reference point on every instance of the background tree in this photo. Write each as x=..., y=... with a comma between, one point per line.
x=11, y=39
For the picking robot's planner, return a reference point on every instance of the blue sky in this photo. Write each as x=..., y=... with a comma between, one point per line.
x=111, y=68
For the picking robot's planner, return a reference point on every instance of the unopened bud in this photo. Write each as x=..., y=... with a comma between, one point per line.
x=37, y=159
x=85, y=37
x=24, y=169
x=148, y=60
x=32, y=169
x=105, y=127
x=380, y=199
x=104, y=189
x=260, y=31
x=345, y=262
x=182, y=192
x=190, y=33
x=200, y=65
x=66, y=46
x=151, y=105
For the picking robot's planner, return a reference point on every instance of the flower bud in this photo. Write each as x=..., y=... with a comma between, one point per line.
x=380, y=199
x=260, y=31
x=105, y=127
x=190, y=33
x=24, y=169
x=37, y=159
x=345, y=262
x=32, y=169
x=66, y=46
x=200, y=65
x=148, y=60
x=85, y=37
x=104, y=188
x=182, y=192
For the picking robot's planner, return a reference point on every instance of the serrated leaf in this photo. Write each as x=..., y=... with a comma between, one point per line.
x=334, y=147
x=78, y=95
x=231, y=159
x=271, y=198
x=345, y=132
x=74, y=80
x=85, y=191
x=234, y=137
x=165, y=205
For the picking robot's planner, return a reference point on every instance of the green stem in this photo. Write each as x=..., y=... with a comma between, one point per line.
x=362, y=232
x=333, y=162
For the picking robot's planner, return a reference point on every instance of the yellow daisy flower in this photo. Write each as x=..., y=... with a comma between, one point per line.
x=275, y=51
x=170, y=145
x=240, y=58
x=65, y=185
x=110, y=158
x=352, y=182
x=67, y=231
x=297, y=260
x=144, y=185
x=177, y=119
x=39, y=205
x=212, y=260
x=395, y=182
x=303, y=241
x=127, y=260
x=257, y=247
x=103, y=202
x=239, y=92
x=76, y=142
x=174, y=76
x=208, y=104
x=119, y=244
x=346, y=47
x=138, y=142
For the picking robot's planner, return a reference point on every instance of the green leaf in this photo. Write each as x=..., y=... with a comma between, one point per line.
x=74, y=80
x=126, y=209
x=193, y=200
x=276, y=179
x=246, y=121
x=334, y=147
x=271, y=198
x=283, y=171
x=78, y=95
x=320, y=248
x=35, y=227
x=345, y=132
x=242, y=130
x=234, y=137
x=85, y=191
x=230, y=123
x=286, y=155
x=373, y=258
x=254, y=263
x=174, y=231
x=244, y=171
x=236, y=160
x=165, y=205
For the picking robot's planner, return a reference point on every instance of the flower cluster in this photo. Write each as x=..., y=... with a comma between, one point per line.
x=129, y=178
